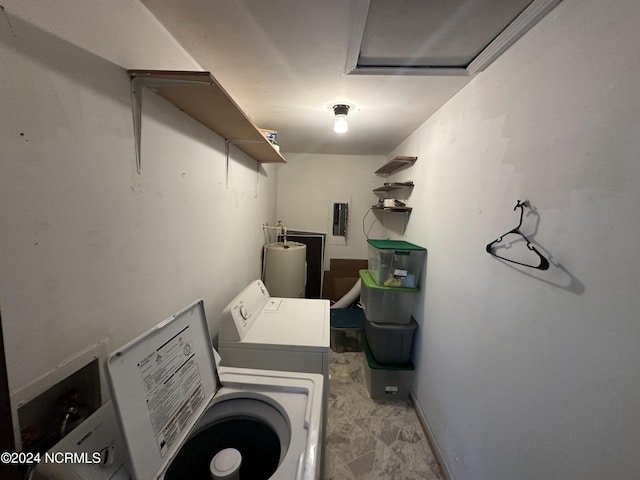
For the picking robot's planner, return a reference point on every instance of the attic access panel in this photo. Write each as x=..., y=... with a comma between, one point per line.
x=437, y=37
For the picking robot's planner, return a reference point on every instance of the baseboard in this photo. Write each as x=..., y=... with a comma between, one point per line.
x=444, y=468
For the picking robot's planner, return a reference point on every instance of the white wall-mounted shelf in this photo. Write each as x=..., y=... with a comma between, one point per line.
x=199, y=95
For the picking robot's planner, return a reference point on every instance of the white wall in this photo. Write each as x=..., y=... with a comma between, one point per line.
x=90, y=249
x=524, y=374
x=308, y=185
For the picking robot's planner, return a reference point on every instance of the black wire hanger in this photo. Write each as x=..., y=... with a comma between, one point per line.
x=544, y=263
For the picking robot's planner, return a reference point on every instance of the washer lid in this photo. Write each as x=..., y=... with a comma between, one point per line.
x=161, y=383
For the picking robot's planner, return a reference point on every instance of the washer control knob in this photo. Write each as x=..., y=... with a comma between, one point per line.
x=244, y=313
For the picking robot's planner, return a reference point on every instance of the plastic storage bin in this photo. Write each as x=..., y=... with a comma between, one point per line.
x=347, y=329
x=386, y=382
x=395, y=263
x=385, y=304
x=391, y=343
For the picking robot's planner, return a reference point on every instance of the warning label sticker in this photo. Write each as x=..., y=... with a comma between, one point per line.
x=173, y=387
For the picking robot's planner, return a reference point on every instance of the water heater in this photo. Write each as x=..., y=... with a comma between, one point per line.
x=285, y=269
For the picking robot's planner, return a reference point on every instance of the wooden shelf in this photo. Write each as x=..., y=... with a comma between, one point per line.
x=200, y=96
x=396, y=164
x=393, y=209
x=388, y=187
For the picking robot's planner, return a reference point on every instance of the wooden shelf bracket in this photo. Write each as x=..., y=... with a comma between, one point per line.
x=227, y=143
x=137, y=85
x=200, y=96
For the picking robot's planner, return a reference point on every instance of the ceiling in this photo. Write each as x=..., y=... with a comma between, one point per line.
x=286, y=63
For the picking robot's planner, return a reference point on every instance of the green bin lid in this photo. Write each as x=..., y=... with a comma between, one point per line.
x=369, y=282
x=394, y=245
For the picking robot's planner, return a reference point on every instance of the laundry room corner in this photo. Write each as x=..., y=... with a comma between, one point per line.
x=308, y=184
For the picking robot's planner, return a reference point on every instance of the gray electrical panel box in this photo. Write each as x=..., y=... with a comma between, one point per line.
x=340, y=219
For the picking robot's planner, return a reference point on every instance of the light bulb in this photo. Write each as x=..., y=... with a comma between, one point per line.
x=340, y=125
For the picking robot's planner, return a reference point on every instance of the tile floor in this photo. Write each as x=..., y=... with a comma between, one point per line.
x=371, y=439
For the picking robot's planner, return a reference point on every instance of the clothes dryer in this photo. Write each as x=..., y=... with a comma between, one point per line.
x=273, y=333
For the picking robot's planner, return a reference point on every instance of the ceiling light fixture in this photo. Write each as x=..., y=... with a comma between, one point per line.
x=340, y=111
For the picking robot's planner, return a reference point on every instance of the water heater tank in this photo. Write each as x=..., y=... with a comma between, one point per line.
x=285, y=269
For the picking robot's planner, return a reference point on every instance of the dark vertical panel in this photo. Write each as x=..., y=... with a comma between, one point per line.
x=6, y=431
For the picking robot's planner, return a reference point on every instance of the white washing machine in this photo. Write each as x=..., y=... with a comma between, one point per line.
x=260, y=331
x=181, y=418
